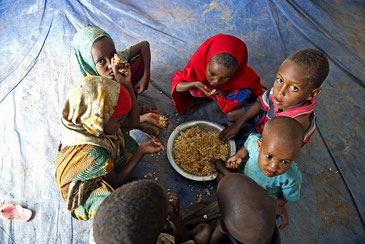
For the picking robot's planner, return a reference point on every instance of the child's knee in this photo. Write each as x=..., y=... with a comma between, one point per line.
x=233, y=115
x=229, y=116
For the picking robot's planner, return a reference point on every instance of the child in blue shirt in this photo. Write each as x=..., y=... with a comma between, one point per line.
x=270, y=161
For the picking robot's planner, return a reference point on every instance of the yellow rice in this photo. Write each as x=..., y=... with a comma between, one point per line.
x=195, y=151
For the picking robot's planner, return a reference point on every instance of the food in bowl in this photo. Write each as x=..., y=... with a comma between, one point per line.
x=195, y=151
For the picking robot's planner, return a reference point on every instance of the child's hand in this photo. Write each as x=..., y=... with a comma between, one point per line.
x=281, y=209
x=234, y=162
x=174, y=206
x=204, y=88
x=120, y=78
x=222, y=93
x=153, y=146
x=142, y=84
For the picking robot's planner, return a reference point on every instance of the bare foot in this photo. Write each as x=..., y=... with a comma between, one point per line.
x=157, y=120
x=149, y=129
x=148, y=108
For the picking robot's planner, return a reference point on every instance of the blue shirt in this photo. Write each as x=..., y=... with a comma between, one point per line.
x=288, y=183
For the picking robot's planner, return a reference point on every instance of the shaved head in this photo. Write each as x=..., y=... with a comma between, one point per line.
x=247, y=210
x=286, y=130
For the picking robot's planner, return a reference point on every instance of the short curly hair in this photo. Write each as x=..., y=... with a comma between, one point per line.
x=134, y=213
x=225, y=59
x=315, y=63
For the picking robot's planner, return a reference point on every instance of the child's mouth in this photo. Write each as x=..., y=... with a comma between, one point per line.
x=270, y=173
x=278, y=102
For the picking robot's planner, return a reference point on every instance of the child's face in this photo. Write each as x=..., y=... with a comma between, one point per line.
x=217, y=74
x=291, y=89
x=275, y=156
x=114, y=124
x=102, y=52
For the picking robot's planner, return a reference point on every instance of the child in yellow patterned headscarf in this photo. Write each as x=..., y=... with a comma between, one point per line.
x=96, y=156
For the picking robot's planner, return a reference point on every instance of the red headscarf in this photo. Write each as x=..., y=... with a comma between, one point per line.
x=195, y=70
x=124, y=103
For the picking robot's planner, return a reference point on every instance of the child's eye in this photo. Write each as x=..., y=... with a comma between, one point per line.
x=285, y=162
x=101, y=61
x=293, y=88
x=278, y=80
x=268, y=156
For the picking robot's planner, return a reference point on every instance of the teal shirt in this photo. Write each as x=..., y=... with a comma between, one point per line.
x=288, y=183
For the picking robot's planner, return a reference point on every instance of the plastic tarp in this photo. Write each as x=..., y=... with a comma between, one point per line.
x=39, y=67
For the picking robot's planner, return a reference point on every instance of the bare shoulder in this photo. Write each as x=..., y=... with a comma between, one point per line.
x=304, y=120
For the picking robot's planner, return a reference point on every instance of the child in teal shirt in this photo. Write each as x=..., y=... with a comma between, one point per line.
x=270, y=161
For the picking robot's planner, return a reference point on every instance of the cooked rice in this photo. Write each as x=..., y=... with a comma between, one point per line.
x=195, y=151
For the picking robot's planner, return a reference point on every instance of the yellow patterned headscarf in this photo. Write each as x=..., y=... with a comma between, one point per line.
x=88, y=106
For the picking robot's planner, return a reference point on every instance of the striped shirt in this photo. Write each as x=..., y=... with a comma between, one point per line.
x=267, y=104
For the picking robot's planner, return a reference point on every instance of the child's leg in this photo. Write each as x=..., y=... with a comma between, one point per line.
x=234, y=115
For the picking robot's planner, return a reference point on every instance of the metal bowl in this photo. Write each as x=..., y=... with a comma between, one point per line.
x=204, y=125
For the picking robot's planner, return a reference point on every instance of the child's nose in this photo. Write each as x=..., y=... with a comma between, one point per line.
x=282, y=90
x=109, y=64
x=214, y=82
x=273, y=165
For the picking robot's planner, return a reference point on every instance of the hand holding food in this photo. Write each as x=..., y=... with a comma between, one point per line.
x=233, y=162
x=123, y=67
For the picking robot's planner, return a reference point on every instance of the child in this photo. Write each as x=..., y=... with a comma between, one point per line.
x=271, y=161
x=218, y=70
x=296, y=86
x=95, y=155
x=136, y=213
x=94, y=49
x=248, y=213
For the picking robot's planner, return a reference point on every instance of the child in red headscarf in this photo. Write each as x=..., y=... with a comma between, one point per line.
x=218, y=70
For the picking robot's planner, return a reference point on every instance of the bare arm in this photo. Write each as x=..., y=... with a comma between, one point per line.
x=144, y=49
x=304, y=121
x=234, y=161
x=186, y=86
x=117, y=179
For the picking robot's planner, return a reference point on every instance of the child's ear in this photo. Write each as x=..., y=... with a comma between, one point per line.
x=259, y=142
x=314, y=93
x=222, y=227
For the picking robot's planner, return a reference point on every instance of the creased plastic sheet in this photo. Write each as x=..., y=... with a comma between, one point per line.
x=38, y=69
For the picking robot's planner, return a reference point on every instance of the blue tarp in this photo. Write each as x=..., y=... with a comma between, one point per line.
x=38, y=69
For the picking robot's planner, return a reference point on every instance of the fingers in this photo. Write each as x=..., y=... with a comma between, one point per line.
x=233, y=162
x=157, y=143
x=224, y=136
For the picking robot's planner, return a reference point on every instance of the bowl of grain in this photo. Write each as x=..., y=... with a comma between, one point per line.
x=194, y=145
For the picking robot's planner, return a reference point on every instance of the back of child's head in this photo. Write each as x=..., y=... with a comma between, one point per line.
x=247, y=210
x=134, y=213
x=225, y=59
x=314, y=62
x=286, y=130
